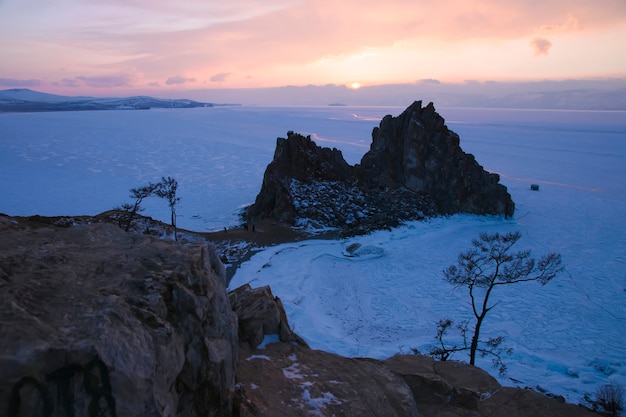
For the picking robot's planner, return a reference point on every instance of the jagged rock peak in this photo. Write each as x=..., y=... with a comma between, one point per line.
x=296, y=159
x=415, y=168
x=416, y=150
x=302, y=159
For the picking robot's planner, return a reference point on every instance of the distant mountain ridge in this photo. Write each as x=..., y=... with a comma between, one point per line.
x=25, y=100
x=607, y=94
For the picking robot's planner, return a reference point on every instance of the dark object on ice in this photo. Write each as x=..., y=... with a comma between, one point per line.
x=414, y=168
x=534, y=187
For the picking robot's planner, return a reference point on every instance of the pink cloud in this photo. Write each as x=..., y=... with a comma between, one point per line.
x=218, y=78
x=11, y=82
x=107, y=81
x=261, y=39
x=541, y=46
x=179, y=79
x=69, y=82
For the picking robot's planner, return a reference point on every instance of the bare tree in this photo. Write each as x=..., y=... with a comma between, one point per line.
x=486, y=266
x=167, y=189
x=611, y=399
x=130, y=210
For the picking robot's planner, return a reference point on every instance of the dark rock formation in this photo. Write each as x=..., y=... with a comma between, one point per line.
x=310, y=186
x=414, y=168
x=98, y=322
x=297, y=159
x=417, y=151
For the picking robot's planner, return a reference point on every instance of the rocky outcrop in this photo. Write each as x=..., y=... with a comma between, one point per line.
x=297, y=160
x=98, y=322
x=260, y=313
x=288, y=380
x=415, y=168
x=285, y=379
x=456, y=389
x=436, y=384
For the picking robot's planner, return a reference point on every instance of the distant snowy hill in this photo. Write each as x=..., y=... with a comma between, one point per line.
x=24, y=94
x=25, y=100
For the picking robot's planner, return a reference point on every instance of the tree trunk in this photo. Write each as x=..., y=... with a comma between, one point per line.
x=174, y=224
x=131, y=217
x=474, y=346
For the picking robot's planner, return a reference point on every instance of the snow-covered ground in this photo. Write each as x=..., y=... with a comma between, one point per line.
x=568, y=337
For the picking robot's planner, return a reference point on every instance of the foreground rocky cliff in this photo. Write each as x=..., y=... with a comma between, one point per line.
x=415, y=168
x=285, y=378
x=99, y=322
x=95, y=321
x=288, y=380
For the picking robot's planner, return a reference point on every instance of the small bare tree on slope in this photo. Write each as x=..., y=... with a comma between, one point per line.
x=611, y=398
x=130, y=210
x=481, y=269
x=167, y=189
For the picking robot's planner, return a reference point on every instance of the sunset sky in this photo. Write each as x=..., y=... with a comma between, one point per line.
x=118, y=47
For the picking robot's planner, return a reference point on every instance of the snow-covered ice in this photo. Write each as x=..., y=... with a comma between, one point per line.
x=73, y=163
x=568, y=337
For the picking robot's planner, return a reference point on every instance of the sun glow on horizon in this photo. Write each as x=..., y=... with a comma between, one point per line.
x=354, y=86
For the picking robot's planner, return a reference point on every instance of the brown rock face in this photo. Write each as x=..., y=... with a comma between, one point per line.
x=288, y=380
x=443, y=384
x=456, y=389
x=259, y=313
x=285, y=379
x=98, y=322
x=415, y=168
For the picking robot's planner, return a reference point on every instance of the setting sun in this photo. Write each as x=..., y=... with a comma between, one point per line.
x=355, y=86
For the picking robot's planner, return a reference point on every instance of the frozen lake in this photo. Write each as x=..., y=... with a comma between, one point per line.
x=86, y=162
x=568, y=337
